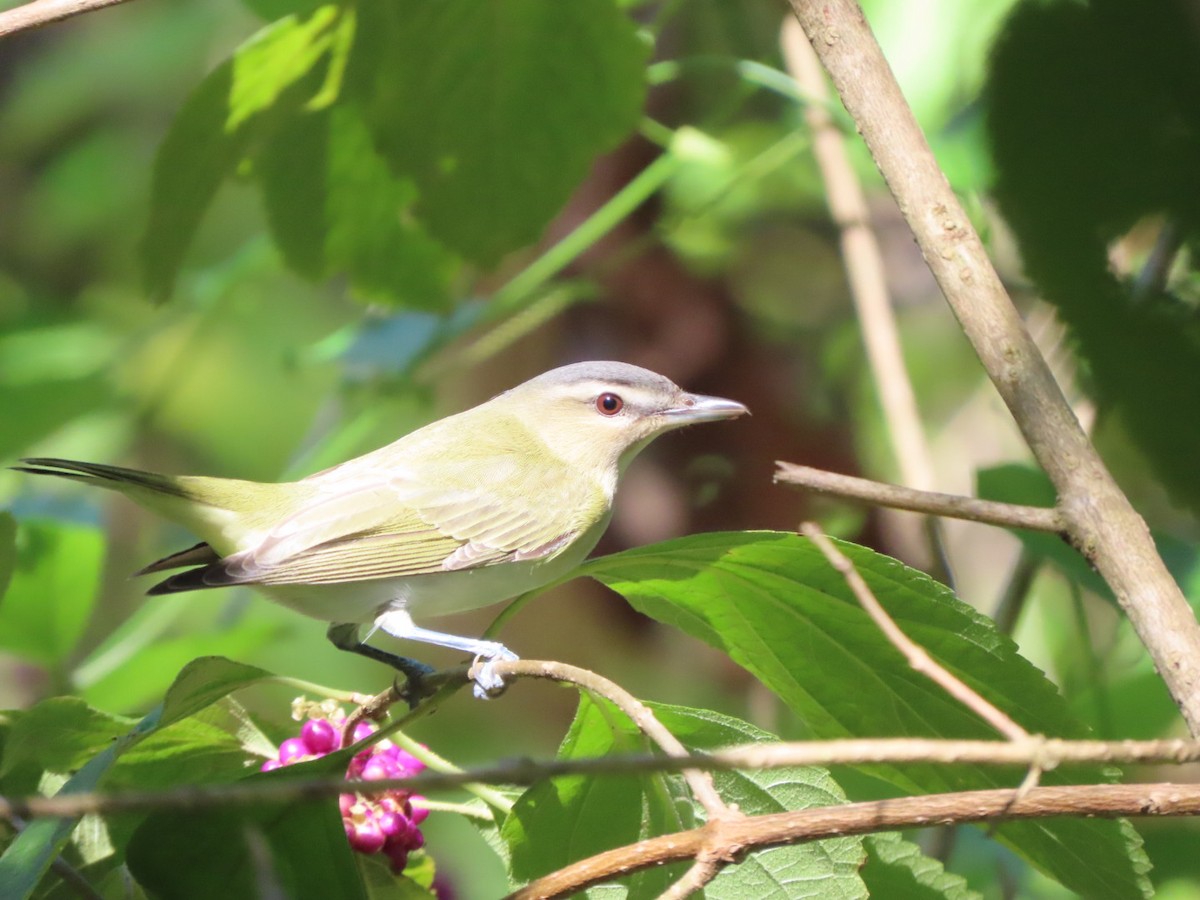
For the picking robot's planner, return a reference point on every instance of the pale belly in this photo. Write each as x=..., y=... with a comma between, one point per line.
x=435, y=594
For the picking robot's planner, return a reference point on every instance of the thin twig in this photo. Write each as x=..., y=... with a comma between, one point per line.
x=1101, y=523
x=918, y=657
x=879, y=493
x=43, y=12
x=703, y=871
x=1048, y=752
x=868, y=283
x=758, y=832
x=700, y=781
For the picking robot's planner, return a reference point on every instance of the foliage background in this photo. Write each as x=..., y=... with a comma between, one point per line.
x=279, y=352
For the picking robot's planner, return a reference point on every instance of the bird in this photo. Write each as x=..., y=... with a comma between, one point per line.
x=470, y=510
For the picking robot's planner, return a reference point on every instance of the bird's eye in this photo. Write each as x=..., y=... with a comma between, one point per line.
x=609, y=404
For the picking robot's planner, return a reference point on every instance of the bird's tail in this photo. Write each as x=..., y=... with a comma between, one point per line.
x=223, y=511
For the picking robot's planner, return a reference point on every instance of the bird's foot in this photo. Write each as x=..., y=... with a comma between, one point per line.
x=488, y=683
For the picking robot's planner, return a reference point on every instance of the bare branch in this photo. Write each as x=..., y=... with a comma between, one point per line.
x=865, y=272
x=1101, y=523
x=918, y=657
x=758, y=832
x=1048, y=753
x=878, y=493
x=43, y=12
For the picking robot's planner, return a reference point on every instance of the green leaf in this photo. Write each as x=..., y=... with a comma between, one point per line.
x=205, y=681
x=52, y=590
x=297, y=851
x=268, y=76
x=826, y=869
x=8, y=553
x=334, y=207
x=172, y=753
x=496, y=112
x=772, y=602
x=567, y=819
x=897, y=868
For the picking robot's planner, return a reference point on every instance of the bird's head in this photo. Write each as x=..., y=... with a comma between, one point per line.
x=605, y=412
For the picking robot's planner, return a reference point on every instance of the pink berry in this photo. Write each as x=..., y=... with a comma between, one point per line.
x=378, y=768
x=292, y=750
x=367, y=837
x=319, y=736
x=362, y=731
x=418, y=814
x=392, y=824
x=345, y=802
x=270, y=765
x=409, y=764
x=397, y=858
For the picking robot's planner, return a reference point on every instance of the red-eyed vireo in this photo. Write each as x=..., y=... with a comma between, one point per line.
x=468, y=511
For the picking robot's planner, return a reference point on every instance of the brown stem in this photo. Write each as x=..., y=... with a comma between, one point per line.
x=1100, y=521
x=43, y=12
x=731, y=839
x=917, y=656
x=879, y=493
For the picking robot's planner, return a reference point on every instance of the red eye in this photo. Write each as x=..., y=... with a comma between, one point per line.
x=609, y=404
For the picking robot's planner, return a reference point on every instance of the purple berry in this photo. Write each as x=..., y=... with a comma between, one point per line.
x=270, y=765
x=345, y=803
x=292, y=750
x=409, y=764
x=367, y=837
x=392, y=824
x=319, y=736
x=362, y=731
x=379, y=767
x=397, y=858
x=418, y=814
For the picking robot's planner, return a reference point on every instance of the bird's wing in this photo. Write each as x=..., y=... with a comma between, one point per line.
x=362, y=530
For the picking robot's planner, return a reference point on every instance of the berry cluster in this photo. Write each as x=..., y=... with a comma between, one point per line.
x=386, y=822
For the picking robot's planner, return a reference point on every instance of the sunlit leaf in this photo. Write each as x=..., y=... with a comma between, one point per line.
x=772, y=602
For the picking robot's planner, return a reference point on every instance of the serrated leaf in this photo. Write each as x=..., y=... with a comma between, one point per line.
x=820, y=869
x=52, y=590
x=334, y=207
x=772, y=602
x=496, y=116
x=897, y=868
x=567, y=819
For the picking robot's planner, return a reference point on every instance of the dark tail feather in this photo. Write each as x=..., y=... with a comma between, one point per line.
x=199, y=555
x=191, y=580
x=93, y=472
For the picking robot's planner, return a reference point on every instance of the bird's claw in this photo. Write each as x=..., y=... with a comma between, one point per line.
x=489, y=683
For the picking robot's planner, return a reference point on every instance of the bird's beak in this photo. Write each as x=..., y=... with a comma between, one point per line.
x=699, y=408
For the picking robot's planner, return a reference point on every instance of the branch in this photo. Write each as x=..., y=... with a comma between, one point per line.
x=878, y=493
x=917, y=656
x=1100, y=521
x=1047, y=753
x=758, y=832
x=865, y=272
x=700, y=782
x=43, y=12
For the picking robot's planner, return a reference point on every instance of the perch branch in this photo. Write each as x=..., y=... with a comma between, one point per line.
x=1100, y=521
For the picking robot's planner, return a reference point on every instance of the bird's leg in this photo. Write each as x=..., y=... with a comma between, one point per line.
x=398, y=623
x=344, y=636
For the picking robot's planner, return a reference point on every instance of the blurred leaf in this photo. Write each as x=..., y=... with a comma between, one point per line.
x=53, y=587
x=826, y=869
x=297, y=851
x=333, y=207
x=215, y=128
x=381, y=884
x=1016, y=483
x=8, y=552
x=897, y=868
x=497, y=112
x=772, y=602
x=33, y=410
